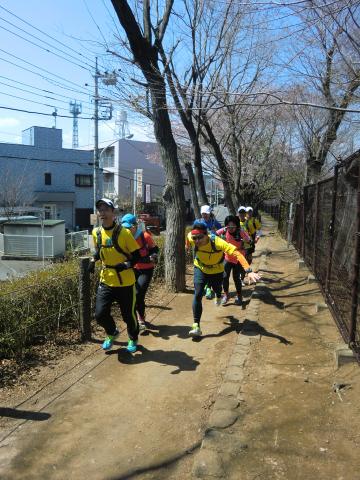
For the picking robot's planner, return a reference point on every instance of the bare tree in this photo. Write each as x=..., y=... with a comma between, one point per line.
x=15, y=191
x=145, y=42
x=329, y=64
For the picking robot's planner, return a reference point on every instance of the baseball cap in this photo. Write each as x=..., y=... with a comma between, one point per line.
x=107, y=202
x=199, y=225
x=242, y=209
x=249, y=209
x=205, y=209
x=128, y=220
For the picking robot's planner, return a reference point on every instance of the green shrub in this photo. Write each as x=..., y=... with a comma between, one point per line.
x=38, y=306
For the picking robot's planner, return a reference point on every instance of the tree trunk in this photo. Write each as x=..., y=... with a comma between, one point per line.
x=313, y=171
x=193, y=194
x=146, y=57
x=223, y=169
x=198, y=172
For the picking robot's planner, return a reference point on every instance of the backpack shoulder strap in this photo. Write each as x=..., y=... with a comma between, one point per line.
x=115, y=241
x=98, y=237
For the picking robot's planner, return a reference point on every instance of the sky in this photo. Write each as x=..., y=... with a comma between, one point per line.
x=47, y=59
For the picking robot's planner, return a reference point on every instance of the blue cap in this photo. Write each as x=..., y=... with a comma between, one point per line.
x=128, y=220
x=200, y=224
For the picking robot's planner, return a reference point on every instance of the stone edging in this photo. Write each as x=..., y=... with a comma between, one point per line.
x=208, y=462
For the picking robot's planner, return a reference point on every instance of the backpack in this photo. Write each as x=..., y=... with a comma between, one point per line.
x=213, y=250
x=114, y=241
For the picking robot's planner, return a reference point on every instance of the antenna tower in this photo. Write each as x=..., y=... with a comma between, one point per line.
x=123, y=125
x=75, y=110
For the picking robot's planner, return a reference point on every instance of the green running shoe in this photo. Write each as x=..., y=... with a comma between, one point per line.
x=109, y=340
x=132, y=346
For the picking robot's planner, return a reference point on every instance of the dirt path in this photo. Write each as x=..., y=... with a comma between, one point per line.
x=123, y=416
x=294, y=425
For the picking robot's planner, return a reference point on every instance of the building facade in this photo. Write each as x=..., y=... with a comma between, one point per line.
x=129, y=165
x=41, y=173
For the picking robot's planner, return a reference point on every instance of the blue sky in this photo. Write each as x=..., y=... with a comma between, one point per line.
x=76, y=28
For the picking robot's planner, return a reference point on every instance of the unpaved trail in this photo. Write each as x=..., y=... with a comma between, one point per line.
x=128, y=416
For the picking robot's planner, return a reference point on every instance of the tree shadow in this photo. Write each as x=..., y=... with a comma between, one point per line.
x=24, y=414
x=264, y=294
x=181, y=360
x=270, y=271
x=130, y=474
x=160, y=307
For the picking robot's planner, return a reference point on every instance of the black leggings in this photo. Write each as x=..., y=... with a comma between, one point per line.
x=143, y=279
x=237, y=270
x=202, y=279
x=125, y=297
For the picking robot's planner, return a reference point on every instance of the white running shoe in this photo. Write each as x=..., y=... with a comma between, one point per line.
x=195, y=330
x=217, y=301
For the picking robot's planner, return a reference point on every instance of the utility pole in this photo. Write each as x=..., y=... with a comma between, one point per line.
x=106, y=114
x=96, y=134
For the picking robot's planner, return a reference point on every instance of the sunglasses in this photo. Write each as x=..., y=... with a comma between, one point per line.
x=197, y=237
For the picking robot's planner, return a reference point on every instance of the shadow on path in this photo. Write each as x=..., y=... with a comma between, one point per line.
x=24, y=414
x=156, y=466
x=247, y=327
x=181, y=360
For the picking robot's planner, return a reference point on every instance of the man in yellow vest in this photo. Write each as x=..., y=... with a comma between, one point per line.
x=118, y=252
x=209, y=251
x=254, y=225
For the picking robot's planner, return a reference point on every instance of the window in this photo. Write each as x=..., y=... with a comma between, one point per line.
x=47, y=178
x=50, y=211
x=84, y=180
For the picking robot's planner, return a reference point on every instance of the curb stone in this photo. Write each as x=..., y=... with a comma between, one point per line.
x=208, y=462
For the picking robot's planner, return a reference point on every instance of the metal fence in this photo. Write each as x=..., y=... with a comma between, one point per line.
x=77, y=241
x=326, y=233
x=27, y=245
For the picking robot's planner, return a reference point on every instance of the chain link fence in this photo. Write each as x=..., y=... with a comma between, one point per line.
x=325, y=229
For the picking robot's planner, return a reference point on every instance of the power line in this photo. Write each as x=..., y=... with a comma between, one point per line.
x=87, y=68
x=39, y=68
x=49, y=36
x=54, y=82
x=39, y=89
x=41, y=113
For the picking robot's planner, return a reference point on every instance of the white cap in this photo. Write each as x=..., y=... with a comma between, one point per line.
x=249, y=209
x=242, y=208
x=205, y=209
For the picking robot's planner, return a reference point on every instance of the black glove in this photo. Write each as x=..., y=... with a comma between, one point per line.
x=122, y=266
x=91, y=267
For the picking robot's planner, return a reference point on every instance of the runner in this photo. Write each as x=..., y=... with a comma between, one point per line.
x=208, y=267
x=248, y=245
x=233, y=234
x=254, y=226
x=118, y=252
x=208, y=217
x=144, y=269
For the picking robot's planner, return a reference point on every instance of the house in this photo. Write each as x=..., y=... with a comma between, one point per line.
x=40, y=172
x=129, y=164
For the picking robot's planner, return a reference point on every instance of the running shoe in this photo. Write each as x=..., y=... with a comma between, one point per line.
x=224, y=299
x=217, y=301
x=195, y=330
x=238, y=301
x=142, y=325
x=109, y=340
x=132, y=346
x=209, y=294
